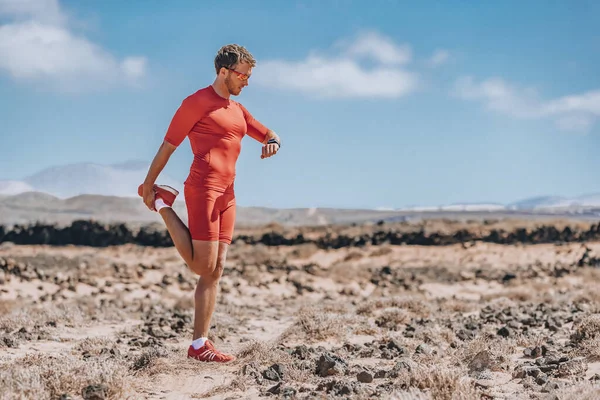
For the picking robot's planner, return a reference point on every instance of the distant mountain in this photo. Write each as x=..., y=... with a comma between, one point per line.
x=557, y=202
x=70, y=180
x=14, y=187
x=122, y=180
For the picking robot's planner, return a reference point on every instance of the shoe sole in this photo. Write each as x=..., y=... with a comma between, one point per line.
x=169, y=189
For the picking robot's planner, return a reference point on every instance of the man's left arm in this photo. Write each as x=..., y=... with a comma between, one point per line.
x=271, y=143
x=256, y=130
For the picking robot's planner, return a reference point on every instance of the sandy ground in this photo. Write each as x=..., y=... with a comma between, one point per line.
x=479, y=321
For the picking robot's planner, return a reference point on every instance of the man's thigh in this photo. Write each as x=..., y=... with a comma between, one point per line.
x=227, y=208
x=203, y=214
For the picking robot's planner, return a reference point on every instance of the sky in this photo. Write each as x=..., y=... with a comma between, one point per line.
x=378, y=104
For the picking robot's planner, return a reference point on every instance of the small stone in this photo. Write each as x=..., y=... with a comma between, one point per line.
x=301, y=352
x=423, y=349
x=364, y=377
x=542, y=379
x=329, y=364
x=94, y=392
x=533, y=352
x=380, y=374
x=505, y=332
x=481, y=362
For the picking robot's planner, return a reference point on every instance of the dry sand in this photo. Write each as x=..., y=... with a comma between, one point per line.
x=478, y=321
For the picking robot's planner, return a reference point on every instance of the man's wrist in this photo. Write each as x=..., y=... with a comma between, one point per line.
x=274, y=140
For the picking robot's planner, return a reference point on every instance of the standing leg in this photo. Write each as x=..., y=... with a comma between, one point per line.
x=206, y=294
x=207, y=287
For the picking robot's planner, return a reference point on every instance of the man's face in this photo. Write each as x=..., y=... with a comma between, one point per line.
x=237, y=78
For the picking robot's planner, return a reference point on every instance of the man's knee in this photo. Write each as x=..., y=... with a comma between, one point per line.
x=218, y=270
x=209, y=268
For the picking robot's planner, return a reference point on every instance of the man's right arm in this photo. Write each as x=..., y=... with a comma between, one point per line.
x=183, y=121
x=158, y=163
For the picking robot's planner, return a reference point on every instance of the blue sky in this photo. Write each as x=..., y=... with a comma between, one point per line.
x=379, y=104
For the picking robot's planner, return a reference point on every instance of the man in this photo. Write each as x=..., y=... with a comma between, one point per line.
x=215, y=125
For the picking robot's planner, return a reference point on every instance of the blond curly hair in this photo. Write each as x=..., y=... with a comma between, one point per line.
x=230, y=55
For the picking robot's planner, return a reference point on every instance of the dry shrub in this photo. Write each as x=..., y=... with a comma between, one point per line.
x=42, y=377
x=353, y=256
x=313, y=324
x=499, y=351
x=436, y=335
x=382, y=251
x=94, y=346
x=184, y=303
x=256, y=356
x=72, y=313
x=419, y=308
x=392, y=319
x=458, y=305
x=263, y=353
x=587, y=328
x=579, y=391
x=589, y=348
x=7, y=306
x=531, y=339
x=257, y=254
x=147, y=361
x=410, y=394
x=440, y=382
x=304, y=251
x=34, y=316
x=237, y=383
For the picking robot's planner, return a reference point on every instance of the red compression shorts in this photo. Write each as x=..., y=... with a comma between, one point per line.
x=211, y=213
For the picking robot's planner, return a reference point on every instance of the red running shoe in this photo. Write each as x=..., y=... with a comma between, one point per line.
x=166, y=193
x=208, y=353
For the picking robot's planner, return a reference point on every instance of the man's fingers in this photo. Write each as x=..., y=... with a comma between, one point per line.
x=269, y=150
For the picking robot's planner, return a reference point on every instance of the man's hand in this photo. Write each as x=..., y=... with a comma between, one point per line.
x=272, y=145
x=148, y=194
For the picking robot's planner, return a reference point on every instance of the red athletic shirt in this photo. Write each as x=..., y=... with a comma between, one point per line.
x=215, y=127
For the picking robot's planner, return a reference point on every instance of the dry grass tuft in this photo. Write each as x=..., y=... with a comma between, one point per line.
x=579, y=391
x=458, y=305
x=304, y=251
x=7, y=306
x=417, y=307
x=586, y=329
x=381, y=251
x=313, y=324
x=94, y=346
x=589, y=348
x=440, y=382
x=393, y=319
x=516, y=294
x=42, y=377
x=148, y=361
x=497, y=351
x=238, y=383
x=35, y=316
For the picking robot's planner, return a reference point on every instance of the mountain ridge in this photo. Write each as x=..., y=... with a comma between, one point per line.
x=122, y=179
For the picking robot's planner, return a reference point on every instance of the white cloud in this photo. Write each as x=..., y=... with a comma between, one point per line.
x=377, y=47
x=38, y=45
x=572, y=113
x=439, y=57
x=344, y=73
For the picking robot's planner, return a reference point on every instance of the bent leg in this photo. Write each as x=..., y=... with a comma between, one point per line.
x=180, y=234
x=203, y=227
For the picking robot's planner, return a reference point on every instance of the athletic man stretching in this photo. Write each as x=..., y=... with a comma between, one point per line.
x=215, y=125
